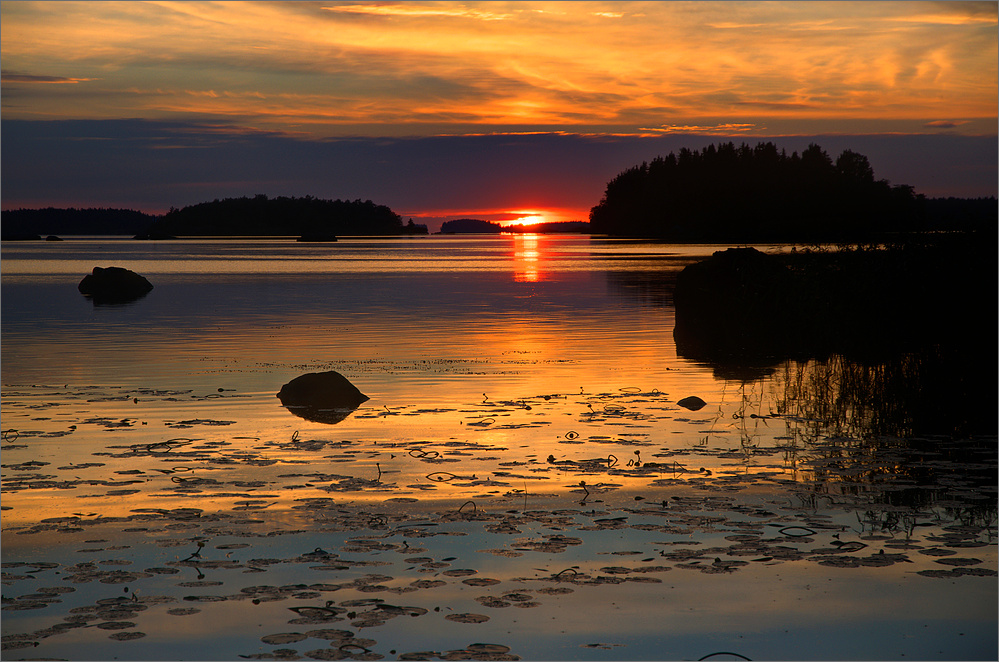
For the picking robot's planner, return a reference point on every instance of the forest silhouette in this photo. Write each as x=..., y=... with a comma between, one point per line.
x=32, y=223
x=719, y=194
x=263, y=216
x=725, y=193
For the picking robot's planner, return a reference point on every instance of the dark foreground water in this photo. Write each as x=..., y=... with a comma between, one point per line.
x=522, y=483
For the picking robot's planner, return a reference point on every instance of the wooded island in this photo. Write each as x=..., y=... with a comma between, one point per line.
x=729, y=194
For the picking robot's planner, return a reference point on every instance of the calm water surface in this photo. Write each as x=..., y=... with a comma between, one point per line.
x=521, y=483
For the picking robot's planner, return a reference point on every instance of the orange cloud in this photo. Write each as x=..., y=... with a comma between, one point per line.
x=419, y=10
x=717, y=129
x=372, y=67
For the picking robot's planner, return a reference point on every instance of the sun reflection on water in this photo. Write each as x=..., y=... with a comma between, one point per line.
x=527, y=259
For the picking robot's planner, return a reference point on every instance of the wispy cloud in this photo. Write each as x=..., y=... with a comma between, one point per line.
x=342, y=68
x=409, y=10
x=945, y=124
x=152, y=165
x=716, y=129
x=33, y=79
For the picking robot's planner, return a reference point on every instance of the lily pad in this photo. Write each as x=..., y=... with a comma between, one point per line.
x=331, y=635
x=127, y=636
x=958, y=561
x=467, y=618
x=284, y=638
x=327, y=654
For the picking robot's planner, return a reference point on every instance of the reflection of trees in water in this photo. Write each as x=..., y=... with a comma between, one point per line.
x=929, y=392
x=895, y=431
x=840, y=397
x=652, y=287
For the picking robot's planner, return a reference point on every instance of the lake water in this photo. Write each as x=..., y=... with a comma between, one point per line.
x=521, y=483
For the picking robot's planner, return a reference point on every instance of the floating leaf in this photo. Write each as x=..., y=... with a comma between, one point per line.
x=488, y=648
x=555, y=590
x=331, y=635
x=467, y=618
x=327, y=654
x=284, y=638
x=958, y=561
x=428, y=583
x=461, y=572
x=127, y=636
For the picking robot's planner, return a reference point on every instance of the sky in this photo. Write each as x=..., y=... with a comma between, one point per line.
x=494, y=110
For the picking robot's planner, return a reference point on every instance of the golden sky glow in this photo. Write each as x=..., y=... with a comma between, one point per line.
x=528, y=218
x=425, y=68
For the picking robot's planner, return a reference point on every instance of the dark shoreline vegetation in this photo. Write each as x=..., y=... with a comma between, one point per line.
x=311, y=218
x=721, y=194
x=736, y=195
x=35, y=224
x=916, y=322
x=282, y=216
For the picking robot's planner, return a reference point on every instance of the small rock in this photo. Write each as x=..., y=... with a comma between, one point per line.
x=693, y=403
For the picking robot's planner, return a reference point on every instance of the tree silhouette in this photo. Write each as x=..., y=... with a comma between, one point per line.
x=50, y=220
x=729, y=193
x=265, y=216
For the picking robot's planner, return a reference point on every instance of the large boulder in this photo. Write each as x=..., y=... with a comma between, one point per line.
x=321, y=397
x=732, y=304
x=114, y=285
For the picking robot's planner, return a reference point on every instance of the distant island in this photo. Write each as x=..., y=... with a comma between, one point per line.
x=470, y=226
x=312, y=219
x=476, y=226
x=729, y=194
x=282, y=216
x=721, y=194
x=27, y=224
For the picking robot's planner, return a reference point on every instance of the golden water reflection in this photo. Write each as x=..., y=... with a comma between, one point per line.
x=535, y=442
x=527, y=257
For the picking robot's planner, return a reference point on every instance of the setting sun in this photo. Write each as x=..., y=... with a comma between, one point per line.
x=528, y=218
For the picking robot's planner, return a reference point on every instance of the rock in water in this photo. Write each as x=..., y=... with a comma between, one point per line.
x=114, y=285
x=693, y=403
x=732, y=304
x=322, y=397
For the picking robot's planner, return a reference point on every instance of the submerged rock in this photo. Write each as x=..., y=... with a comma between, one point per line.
x=114, y=285
x=321, y=397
